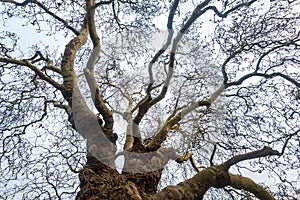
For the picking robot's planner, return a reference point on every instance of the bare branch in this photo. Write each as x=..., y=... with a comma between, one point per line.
x=90, y=10
x=292, y=42
x=67, y=63
x=195, y=187
x=225, y=14
x=267, y=76
x=240, y=182
x=218, y=177
x=266, y=151
x=193, y=164
x=287, y=140
x=97, y=98
x=146, y=103
x=150, y=102
x=65, y=23
x=161, y=135
x=38, y=56
x=89, y=70
x=34, y=68
x=25, y=126
x=129, y=134
x=198, y=11
x=103, y=3
x=212, y=155
x=166, y=45
x=24, y=3
x=225, y=76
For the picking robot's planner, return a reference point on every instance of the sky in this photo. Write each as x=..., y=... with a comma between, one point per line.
x=28, y=37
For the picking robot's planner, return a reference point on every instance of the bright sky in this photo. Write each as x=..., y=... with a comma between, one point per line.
x=28, y=37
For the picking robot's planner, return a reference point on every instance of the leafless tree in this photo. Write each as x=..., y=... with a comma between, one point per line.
x=191, y=112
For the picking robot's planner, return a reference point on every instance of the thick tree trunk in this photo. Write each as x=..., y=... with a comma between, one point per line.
x=139, y=179
x=98, y=181
x=101, y=182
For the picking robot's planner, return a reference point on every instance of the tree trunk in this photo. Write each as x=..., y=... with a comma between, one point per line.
x=98, y=181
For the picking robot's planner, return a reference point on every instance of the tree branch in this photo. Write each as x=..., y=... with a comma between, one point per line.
x=98, y=100
x=255, y=72
x=218, y=177
x=266, y=151
x=225, y=14
x=103, y=3
x=184, y=157
x=166, y=45
x=38, y=56
x=267, y=76
x=24, y=3
x=34, y=68
x=287, y=140
x=129, y=134
x=65, y=23
x=89, y=70
x=198, y=11
x=240, y=182
x=67, y=63
x=195, y=187
x=161, y=135
x=90, y=10
x=148, y=102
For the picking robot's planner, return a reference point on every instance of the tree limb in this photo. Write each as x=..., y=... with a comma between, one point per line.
x=89, y=70
x=225, y=14
x=198, y=11
x=244, y=183
x=65, y=23
x=24, y=3
x=218, y=177
x=166, y=45
x=148, y=102
x=129, y=134
x=67, y=63
x=267, y=76
x=266, y=151
x=195, y=187
x=90, y=10
x=103, y=3
x=34, y=68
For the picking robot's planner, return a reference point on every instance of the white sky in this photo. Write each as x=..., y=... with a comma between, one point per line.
x=28, y=37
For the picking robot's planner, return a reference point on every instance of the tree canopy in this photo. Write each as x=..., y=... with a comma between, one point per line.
x=131, y=99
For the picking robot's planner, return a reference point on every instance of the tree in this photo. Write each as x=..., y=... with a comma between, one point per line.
x=210, y=101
